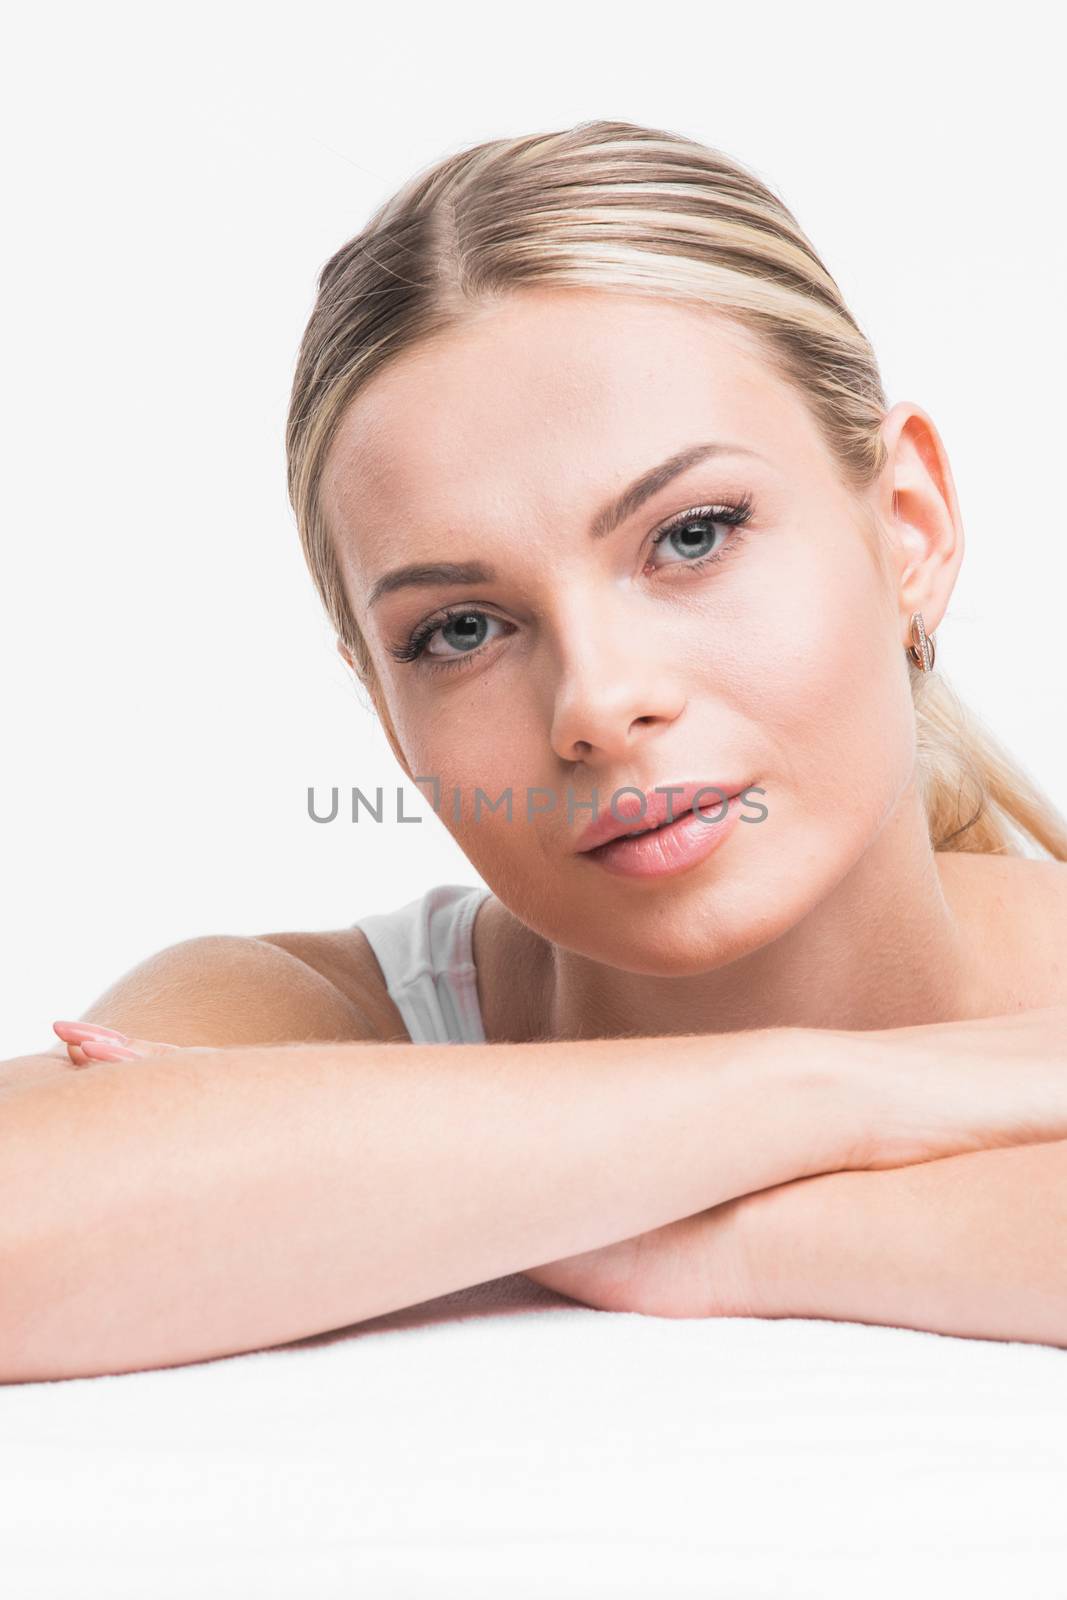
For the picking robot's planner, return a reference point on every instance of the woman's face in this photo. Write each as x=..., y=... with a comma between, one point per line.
x=587, y=657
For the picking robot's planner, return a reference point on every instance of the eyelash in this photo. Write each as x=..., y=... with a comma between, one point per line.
x=734, y=515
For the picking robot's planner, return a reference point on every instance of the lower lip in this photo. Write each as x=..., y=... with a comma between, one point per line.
x=674, y=848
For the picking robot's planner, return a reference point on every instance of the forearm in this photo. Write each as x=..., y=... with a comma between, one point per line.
x=185, y=1207
x=972, y=1245
x=20, y=1073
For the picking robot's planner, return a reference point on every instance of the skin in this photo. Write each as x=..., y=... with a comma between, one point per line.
x=782, y=665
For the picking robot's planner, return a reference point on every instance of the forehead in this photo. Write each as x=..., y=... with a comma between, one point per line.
x=551, y=396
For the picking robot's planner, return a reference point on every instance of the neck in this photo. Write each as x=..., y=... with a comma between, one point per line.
x=890, y=946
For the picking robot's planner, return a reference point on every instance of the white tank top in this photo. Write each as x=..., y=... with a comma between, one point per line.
x=426, y=955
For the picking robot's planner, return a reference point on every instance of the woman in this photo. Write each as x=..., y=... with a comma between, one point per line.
x=596, y=478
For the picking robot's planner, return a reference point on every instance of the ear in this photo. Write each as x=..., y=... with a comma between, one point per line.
x=919, y=509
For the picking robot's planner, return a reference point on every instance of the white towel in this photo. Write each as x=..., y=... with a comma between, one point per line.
x=503, y=1442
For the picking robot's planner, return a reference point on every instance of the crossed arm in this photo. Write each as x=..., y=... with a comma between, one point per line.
x=973, y=1245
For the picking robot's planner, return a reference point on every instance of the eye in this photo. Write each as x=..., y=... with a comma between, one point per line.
x=694, y=536
x=467, y=628
x=463, y=629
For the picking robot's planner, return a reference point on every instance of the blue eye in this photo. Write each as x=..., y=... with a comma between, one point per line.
x=469, y=623
x=705, y=520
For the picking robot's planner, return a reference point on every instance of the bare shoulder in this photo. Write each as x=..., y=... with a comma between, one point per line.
x=1040, y=891
x=1019, y=911
x=1034, y=888
x=345, y=959
x=234, y=989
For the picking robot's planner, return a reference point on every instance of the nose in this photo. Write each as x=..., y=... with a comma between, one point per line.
x=612, y=694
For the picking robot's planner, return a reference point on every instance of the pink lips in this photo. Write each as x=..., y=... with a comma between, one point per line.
x=672, y=848
x=667, y=801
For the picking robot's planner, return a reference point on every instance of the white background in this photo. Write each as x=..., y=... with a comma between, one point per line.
x=174, y=180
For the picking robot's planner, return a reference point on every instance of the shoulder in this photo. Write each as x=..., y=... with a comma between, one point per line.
x=1018, y=910
x=343, y=957
x=233, y=989
x=1040, y=892
x=1033, y=888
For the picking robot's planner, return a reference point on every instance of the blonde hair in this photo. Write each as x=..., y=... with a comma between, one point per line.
x=616, y=206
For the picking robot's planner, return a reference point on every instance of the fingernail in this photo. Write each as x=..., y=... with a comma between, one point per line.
x=107, y=1050
x=89, y=1030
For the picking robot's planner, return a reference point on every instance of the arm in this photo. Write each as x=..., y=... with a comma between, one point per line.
x=973, y=1245
x=196, y=1205
x=219, y=990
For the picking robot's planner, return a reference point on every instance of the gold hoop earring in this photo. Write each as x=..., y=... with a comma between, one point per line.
x=921, y=650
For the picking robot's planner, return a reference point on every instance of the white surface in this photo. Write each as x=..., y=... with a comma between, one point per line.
x=505, y=1442
x=176, y=179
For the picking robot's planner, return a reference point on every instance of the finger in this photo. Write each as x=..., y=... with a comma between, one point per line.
x=78, y=1035
x=86, y=1030
x=109, y=1050
x=87, y=1042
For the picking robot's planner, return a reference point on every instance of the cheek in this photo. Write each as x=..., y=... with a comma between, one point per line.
x=826, y=692
x=467, y=746
x=442, y=733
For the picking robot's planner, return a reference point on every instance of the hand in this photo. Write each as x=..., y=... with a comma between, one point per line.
x=699, y=1266
x=952, y=1088
x=87, y=1042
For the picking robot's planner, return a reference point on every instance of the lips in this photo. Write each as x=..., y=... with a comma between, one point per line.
x=629, y=816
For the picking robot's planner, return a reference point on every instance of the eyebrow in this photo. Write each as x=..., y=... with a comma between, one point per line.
x=419, y=575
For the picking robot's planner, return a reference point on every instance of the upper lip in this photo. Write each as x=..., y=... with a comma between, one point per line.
x=629, y=818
